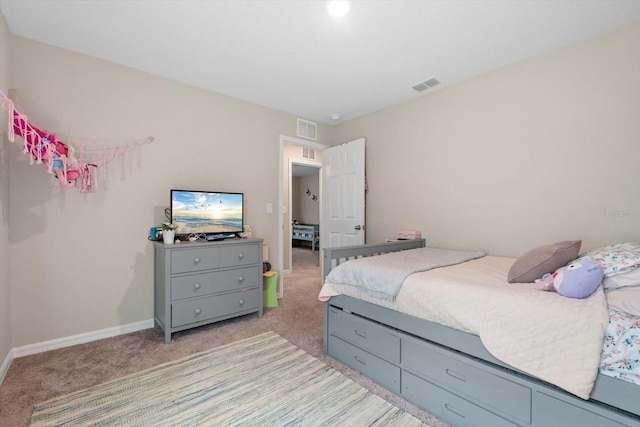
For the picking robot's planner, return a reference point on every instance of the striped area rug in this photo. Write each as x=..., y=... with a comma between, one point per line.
x=259, y=381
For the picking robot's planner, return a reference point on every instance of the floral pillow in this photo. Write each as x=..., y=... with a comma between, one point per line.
x=616, y=259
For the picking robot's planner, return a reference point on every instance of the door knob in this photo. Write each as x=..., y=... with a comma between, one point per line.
x=357, y=227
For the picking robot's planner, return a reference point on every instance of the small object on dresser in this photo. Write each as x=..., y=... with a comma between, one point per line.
x=169, y=232
x=155, y=233
x=247, y=234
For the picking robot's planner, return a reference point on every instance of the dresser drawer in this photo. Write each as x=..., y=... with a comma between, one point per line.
x=371, y=336
x=194, y=259
x=447, y=406
x=379, y=370
x=434, y=363
x=551, y=412
x=234, y=255
x=195, y=285
x=206, y=308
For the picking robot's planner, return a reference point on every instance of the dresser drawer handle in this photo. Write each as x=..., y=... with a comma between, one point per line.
x=456, y=375
x=240, y=255
x=197, y=285
x=359, y=360
x=198, y=311
x=455, y=410
x=360, y=334
x=240, y=278
x=241, y=302
x=196, y=260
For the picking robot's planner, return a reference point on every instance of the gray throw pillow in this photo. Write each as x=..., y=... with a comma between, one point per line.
x=542, y=260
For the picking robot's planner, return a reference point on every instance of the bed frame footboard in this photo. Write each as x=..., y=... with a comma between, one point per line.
x=335, y=256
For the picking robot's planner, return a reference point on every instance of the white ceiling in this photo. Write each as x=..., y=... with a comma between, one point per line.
x=292, y=56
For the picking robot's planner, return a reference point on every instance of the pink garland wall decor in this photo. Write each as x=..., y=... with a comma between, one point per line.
x=70, y=168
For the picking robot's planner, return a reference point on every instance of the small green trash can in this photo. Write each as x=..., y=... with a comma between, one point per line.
x=269, y=288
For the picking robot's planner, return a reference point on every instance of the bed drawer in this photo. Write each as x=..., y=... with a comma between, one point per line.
x=439, y=365
x=379, y=370
x=207, y=308
x=195, y=285
x=366, y=334
x=552, y=412
x=447, y=406
x=194, y=259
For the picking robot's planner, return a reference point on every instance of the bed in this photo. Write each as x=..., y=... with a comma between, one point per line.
x=307, y=232
x=445, y=367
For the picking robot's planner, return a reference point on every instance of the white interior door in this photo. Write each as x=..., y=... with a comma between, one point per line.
x=342, y=194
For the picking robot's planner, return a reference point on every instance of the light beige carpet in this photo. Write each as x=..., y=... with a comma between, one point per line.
x=258, y=381
x=40, y=377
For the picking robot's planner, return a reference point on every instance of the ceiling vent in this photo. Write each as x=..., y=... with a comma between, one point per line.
x=427, y=84
x=308, y=153
x=307, y=129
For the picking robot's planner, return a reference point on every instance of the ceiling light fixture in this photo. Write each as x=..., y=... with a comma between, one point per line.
x=336, y=116
x=339, y=7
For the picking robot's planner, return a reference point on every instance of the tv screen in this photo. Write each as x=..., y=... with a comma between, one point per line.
x=207, y=212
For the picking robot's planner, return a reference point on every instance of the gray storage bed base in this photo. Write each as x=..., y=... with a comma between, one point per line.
x=612, y=403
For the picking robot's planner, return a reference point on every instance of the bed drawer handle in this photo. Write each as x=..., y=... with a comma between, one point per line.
x=360, y=334
x=455, y=410
x=456, y=375
x=359, y=360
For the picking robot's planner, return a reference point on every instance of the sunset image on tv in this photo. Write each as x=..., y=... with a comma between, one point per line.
x=206, y=212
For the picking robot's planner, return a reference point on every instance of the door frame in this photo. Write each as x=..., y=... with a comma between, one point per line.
x=284, y=139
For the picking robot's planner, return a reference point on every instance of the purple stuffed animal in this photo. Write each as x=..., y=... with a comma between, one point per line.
x=579, y=279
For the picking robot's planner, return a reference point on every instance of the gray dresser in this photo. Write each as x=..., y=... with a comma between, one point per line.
x=204, y=282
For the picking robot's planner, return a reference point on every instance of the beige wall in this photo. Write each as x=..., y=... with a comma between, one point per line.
x=309, y=209
x=5, y=326
x=82, y=262
x=540, y=151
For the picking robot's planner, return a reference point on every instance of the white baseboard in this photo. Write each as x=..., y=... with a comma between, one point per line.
x=72, y=340
x=5, y=365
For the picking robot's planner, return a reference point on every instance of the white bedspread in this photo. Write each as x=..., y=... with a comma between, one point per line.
x=544, y=334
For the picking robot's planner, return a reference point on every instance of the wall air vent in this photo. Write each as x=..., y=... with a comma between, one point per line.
x=427, y=84
x=307, y=129
x=308, y=153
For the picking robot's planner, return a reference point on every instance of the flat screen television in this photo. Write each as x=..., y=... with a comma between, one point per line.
x=207, y=212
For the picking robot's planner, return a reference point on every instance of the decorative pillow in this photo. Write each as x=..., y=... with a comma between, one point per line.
x=542, y=260
x=625, y=299
x=616, y=259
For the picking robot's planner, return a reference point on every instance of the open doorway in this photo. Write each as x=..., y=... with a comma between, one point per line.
x=304, y=206
x=295, y=152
